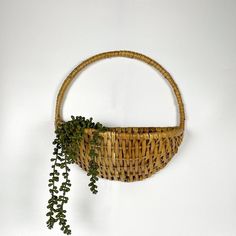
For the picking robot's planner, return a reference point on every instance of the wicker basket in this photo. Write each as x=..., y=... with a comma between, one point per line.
x=129, y=154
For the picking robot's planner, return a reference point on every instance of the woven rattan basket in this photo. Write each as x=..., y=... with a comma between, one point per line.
x=129, y=154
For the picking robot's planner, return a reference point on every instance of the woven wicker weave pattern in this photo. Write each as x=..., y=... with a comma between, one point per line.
x=129, y=154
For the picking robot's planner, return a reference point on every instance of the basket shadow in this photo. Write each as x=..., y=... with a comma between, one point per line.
x=32, y=177
x=89, y=205
x=90, y=208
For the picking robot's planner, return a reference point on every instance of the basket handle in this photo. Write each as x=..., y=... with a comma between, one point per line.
x=123, y=53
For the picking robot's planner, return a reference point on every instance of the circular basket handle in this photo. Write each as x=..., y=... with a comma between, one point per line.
x=123, y=53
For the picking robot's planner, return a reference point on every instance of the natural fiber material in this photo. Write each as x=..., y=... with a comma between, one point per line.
x=129, y=154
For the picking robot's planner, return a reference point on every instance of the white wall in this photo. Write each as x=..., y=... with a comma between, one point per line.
x=42, y=41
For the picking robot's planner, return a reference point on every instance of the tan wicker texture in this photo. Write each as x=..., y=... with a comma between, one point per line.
x=129, y=154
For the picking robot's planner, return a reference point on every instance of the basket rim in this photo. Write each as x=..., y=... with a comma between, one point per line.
x=164, y=132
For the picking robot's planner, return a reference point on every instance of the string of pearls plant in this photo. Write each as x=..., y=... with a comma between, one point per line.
x=68, y=137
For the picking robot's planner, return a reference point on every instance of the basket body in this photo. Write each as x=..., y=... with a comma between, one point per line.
x=128, y=154
x=131, y=154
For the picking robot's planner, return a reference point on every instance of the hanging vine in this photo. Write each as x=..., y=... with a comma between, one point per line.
x=68, y=137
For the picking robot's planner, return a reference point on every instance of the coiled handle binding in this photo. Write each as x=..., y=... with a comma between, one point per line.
x=123, y=53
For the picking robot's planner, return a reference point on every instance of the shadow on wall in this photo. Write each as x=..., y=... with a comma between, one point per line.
x=32, y=194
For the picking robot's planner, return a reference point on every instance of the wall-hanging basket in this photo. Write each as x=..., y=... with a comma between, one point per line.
x=129, y=154
x=125, y=154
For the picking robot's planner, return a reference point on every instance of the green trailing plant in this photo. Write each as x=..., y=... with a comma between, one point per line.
x=68, y=137
x=93, y=166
